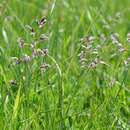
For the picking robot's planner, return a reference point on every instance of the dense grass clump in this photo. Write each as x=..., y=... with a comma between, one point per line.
x=64, y=65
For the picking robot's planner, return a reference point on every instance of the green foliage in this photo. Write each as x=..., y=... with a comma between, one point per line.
x=65, y=90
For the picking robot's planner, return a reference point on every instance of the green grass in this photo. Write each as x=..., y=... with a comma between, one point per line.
x=67, y=96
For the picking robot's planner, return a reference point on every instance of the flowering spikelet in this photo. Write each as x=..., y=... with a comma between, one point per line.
x=45, y=52
x=94, y=63
x=43, y=37
x=114, y=38
x=12, y=82
x=21, y=43
x=32, y=32
x=15, y=60
x=88, y=39
x=128, y=37
x=44, y=67
x=127, y=61
x=42, y=22
x=102, y=38
x=39, y=52
x=26, y=58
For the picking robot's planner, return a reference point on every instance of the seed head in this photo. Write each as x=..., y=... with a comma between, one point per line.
x=44, y=67
x=88, y=39
x=26, y=58
x=114, y=38
x=102, y=37
x=21, y=43
x=39, y=52
x=45, y=52
x=32, y=32
x=15, y=60
x=43, y=37
x=128, y=37
x=12, y=82
x=42, y=22
x=127, y=61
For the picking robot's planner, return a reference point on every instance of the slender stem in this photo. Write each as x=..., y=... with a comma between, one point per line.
x=61, y=92
x=126, y=74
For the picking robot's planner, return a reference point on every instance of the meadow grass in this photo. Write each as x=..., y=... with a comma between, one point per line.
x=77, y=79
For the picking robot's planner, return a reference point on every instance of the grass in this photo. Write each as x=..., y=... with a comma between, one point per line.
x=84, y=83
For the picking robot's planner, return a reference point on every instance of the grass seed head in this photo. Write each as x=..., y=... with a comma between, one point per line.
x=45, y=52
x=128, y=37
x=44, y=67
x=42, y=22
x=102, y=38
x=13, y=82
x=31, y=30
x=15, y=60
x=43, y=37
x=26, y=58
x=114, y=38
x=87, y=39
x=127, y=61
x=20, y=42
